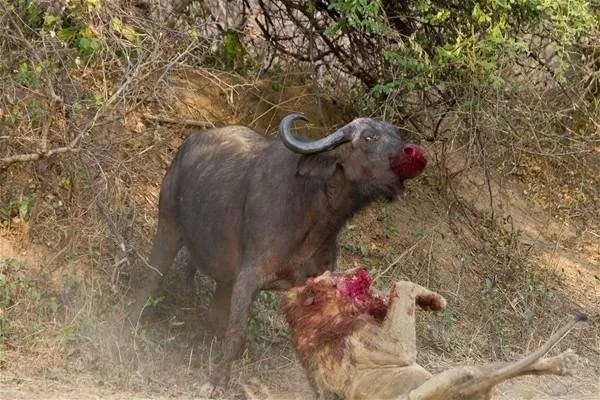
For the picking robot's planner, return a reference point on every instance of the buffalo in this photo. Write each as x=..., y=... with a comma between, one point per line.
x=257, y=213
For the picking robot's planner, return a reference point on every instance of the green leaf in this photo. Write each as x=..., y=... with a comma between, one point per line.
x=93, y=4
x=84, y=44
x=87, y=45
x=439, y=17
x=480, y=16
x=124, y=29
x=23, y=209
x=98, y=99
x=65, y=34
x=50, y=20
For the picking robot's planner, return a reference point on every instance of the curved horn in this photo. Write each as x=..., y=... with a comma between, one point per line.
x=329, y=142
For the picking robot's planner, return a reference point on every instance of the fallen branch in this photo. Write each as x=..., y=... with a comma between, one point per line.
x=6, y=161
x=70, y=148
x=179, y=121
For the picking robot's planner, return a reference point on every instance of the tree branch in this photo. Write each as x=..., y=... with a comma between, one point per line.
x=70, y=148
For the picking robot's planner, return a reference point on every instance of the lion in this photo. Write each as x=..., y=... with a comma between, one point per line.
x=356, y=343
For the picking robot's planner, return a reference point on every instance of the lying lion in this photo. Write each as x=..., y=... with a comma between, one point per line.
x=357, y=344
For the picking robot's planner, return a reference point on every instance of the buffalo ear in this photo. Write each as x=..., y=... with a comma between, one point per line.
x=318, y=165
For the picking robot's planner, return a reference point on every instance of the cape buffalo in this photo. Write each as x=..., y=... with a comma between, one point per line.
x=259, y=213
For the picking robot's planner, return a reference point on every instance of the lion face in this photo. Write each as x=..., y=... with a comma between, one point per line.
x=328, y=308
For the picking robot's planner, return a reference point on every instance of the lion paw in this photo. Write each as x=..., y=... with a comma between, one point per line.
x=431, y=301
x=570, y=361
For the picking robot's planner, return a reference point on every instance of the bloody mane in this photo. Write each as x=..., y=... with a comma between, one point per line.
x=326, y=310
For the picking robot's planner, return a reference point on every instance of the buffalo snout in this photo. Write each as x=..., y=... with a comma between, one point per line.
x=408, y=162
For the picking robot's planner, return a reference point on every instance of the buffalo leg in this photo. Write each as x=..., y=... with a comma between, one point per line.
x=190, y=275
x=167, y=243
x=244, y=291
x=220, y=306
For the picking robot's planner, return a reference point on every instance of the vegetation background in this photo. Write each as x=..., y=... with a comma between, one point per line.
x=95, y=96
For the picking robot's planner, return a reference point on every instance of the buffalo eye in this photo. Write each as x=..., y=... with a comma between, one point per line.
x=370, y=138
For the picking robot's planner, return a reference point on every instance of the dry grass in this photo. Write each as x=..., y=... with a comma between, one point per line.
x=76, y=226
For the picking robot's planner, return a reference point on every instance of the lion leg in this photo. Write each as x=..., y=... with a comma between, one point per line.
x=561, y=365
x=494, y=376
x=444, y=384
x=321, y=392
x=399, y=324
x=478, y=382
x=395, y=338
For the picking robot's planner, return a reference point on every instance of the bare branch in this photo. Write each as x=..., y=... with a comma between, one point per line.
x=6, y=161
x=70, y=148
x=179, y=121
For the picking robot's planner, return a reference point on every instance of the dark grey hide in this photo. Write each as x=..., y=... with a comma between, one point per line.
x=255, y=213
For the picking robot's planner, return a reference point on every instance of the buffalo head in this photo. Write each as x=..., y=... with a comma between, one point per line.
x=369, y=152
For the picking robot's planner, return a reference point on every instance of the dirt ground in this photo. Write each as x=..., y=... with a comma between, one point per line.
x=69, y=268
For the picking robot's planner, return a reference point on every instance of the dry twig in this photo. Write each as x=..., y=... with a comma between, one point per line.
x=70, y=148
x=179, y=121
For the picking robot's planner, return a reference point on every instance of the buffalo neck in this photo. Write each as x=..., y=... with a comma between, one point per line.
x=325, y=200
x=338, y=201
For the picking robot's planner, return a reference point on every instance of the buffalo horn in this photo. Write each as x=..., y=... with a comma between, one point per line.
x=329, y=142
